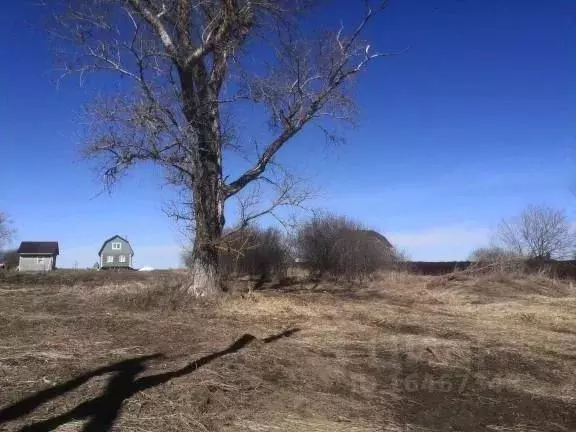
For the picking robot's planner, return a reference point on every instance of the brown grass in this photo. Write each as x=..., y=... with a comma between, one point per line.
x=398, y=353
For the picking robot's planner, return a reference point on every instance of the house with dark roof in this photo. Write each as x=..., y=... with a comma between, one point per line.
x=37, y=255
x=116, y=253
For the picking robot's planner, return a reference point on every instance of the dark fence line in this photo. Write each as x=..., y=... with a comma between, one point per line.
x=560, y=269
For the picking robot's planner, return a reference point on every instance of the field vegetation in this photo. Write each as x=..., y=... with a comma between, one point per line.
x=100, y=351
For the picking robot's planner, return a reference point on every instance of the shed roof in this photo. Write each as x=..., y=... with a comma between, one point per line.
x=39, y=248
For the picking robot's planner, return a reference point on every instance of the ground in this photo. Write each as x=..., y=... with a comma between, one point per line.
x=400, y=353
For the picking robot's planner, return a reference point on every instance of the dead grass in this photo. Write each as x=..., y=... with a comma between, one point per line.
x=397, y=353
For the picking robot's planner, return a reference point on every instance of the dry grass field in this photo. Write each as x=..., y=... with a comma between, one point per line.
x=400, y=353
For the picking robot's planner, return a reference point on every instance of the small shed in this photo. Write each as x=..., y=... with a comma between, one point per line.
x=116, y=253
x=37, y=255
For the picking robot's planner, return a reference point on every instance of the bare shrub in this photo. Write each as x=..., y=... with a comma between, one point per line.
x=495, y=258
x=252, y=251
x=337, y=246
x=540, y=232
x=10, y=258
x=5, y=231
x=256, y=252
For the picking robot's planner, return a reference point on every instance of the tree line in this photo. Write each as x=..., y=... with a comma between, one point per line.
x=333, y=245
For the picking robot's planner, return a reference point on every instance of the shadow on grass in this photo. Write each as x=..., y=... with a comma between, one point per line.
x=103, y=410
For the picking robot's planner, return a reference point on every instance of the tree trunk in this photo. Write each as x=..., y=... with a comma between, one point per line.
x=204, y=273
x=209, y=223
x=200, y=97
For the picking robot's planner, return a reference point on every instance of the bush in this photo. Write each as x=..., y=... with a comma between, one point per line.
x=10, y=258
x=337, y=246
x=256, y=252
x=498, y=260
x=490, y=255
x=251, y=251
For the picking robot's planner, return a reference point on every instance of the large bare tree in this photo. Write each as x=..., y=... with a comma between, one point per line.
x=193, y=67
x=539, y=232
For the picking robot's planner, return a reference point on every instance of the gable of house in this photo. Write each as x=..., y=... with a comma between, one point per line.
x=116, y=245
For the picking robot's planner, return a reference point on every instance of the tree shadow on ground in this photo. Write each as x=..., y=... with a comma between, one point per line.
x=103, y=410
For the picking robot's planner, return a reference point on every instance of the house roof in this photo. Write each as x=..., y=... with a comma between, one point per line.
x=39, y=248
x=112, y=238
x=377, y=236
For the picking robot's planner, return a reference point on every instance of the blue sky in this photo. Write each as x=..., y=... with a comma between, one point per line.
x=473, y=119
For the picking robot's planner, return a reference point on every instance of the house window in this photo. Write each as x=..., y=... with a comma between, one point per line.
x=39, y=260
x=109, y=259
x=116, y=246
x=122, y=258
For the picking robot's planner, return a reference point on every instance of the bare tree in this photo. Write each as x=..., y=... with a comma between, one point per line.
x=5, y=231
x=540, y=232
x=191, y=67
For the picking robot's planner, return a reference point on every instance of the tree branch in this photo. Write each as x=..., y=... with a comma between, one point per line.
x=156, y=23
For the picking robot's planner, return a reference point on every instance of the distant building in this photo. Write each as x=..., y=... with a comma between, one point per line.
x=116, y=252
x=37, y=255
x=378, y=238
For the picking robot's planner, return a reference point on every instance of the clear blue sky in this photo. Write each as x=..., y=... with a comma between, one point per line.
x=475, y=119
